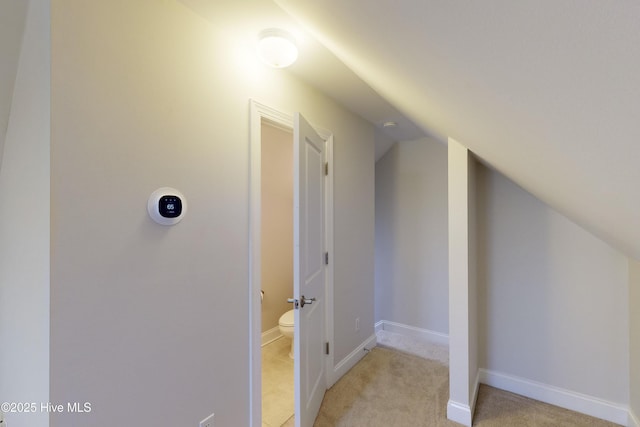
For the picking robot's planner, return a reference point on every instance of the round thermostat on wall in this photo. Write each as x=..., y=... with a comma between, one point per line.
x=167, y=206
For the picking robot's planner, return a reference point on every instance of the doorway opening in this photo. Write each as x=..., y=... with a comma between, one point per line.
x=277, y=274
x=307, y=153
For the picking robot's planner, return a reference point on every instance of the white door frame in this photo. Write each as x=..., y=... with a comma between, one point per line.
x=258, y=113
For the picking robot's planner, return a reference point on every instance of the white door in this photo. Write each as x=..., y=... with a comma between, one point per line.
x=309, y=271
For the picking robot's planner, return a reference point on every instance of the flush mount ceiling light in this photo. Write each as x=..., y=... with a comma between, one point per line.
x=277, y=48
x=390, y=125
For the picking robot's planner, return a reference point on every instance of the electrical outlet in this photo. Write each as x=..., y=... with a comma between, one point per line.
x=207, y=422
x=357, y=324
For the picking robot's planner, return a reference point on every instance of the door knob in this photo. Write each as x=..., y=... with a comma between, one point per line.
x=304, y=301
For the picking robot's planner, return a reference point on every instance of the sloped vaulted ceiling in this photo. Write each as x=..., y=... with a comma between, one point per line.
x=547, y=92
x=316, y=65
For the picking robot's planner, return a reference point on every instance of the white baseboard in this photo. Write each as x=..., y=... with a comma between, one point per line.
x=563, y=398
x=634, y=421
x=474, y=395
x=271, y=335
x=567, y=399
x=459, y=413
x=379, y=326
x=412, y=331
x=349, y=362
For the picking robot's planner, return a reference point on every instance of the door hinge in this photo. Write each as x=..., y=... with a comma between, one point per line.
x=326, y=258
x=326, y=168
x=326, y=348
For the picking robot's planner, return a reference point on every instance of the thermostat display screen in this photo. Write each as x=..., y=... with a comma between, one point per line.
x=170, y=206
x=167, y=206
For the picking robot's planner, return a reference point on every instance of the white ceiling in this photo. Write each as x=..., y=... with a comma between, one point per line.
x=316, y=65
x=547, y=92
x=12, y=19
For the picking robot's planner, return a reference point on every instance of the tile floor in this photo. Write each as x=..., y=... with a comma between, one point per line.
x=277, y=383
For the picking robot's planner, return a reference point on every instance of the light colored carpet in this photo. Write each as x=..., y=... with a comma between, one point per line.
x=413, y=345
x=390, y=388
x=497, y=408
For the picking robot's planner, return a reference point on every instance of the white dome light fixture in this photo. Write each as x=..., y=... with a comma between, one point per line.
x=277, y=48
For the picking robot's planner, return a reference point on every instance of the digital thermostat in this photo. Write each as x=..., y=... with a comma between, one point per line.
x=166, y=206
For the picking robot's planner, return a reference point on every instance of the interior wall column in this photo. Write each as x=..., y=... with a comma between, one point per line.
x=463, y=354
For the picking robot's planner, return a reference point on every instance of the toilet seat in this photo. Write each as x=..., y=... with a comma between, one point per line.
x=286, y=319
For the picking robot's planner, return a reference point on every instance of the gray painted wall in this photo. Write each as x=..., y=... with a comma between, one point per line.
x=12, y=23
x=411, y=235
x=151, y=323
x=553, y=298
x=24, y=229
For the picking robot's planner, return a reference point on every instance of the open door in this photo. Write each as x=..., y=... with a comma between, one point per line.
x=309, y=271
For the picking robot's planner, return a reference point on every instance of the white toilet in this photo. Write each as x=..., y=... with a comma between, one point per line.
x=287, y=327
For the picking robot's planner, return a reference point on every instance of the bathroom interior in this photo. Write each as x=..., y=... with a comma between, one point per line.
x=277, y=274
